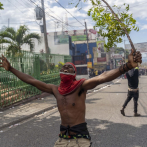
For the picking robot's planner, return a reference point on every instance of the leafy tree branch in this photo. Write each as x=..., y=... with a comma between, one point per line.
x=1, y=6
x=112, y=25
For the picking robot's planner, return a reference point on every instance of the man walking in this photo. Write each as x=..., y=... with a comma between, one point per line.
x=133, y=91
x=71, y=96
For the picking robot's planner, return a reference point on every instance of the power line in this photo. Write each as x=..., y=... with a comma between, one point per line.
x=51, y=11
x=18, y=22
x=19, y=3
x=48, y=14
x=27, y=3
x=14, y=6
x=40, y=8
x=69, y=13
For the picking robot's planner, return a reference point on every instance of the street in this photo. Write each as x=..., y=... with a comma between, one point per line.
x=108, y=128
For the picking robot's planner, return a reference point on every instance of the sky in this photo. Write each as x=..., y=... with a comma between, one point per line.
x=20, y=12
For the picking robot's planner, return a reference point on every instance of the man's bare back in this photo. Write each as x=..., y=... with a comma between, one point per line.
x=71, y=107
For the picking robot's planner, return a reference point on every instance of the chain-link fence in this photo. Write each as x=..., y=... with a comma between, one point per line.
x=43, y=67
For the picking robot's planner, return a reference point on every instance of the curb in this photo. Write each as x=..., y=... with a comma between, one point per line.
x=26, y=117
x=43, y=94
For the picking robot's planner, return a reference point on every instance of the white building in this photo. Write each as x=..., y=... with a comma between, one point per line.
x=59, y=42
x=142, y=47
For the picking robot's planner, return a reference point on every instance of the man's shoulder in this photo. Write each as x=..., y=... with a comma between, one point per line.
x=54, y=87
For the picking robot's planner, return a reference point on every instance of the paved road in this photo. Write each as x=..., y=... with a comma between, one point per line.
x=107, y=126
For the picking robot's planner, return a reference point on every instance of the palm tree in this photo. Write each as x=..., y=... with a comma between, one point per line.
x=15, y=40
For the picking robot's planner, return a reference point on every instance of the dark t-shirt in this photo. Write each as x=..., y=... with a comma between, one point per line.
x=134, y=80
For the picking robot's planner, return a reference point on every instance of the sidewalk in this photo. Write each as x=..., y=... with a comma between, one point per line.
x=22, y=112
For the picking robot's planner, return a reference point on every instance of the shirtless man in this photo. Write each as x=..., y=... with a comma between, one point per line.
x=71, y=95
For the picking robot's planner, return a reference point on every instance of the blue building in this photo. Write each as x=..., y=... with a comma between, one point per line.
x=82, y=49
x=79, y=54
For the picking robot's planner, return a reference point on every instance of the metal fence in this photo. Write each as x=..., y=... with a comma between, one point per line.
x=43, y=67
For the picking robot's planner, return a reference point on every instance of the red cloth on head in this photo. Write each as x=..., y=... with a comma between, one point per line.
x=68, y=82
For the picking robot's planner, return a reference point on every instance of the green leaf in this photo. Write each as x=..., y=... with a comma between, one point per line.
x=113, y=30
x=1, y=6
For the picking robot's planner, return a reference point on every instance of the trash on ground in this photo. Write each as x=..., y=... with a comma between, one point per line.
x=11, y=126
x=16, y=124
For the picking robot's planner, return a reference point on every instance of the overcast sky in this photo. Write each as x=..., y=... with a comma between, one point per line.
x=21, y=12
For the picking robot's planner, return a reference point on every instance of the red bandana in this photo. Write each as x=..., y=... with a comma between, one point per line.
x=68, y=82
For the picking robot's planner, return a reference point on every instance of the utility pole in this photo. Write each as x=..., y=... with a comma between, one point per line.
x=8, y=22
x=87, y=47
x=44, y=25
x=124, y=51
x=55, y=26
x=87, y=40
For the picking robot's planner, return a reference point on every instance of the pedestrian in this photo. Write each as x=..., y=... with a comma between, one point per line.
x=96, y=73
x=133, y=91
x=71, y=95
x=99, y=72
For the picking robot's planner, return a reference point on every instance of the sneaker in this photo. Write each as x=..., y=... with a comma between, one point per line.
x=136, y=114
x=122, y=112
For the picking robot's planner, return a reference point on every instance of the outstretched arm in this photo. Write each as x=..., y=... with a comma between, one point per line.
x=26, y=78
x=112, y=74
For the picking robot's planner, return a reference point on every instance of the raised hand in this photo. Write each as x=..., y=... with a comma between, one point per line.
x=5, y=63
x=133, y=60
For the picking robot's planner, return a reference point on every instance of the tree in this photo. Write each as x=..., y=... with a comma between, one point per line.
x=15, y=40
x=119, y=50
x=112, y=25
x=1, y=6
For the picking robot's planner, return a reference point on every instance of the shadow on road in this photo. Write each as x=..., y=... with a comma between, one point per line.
x=108, y=134
x=117, y=83
x=43, y=132
x=133, y=116
x=92, y=100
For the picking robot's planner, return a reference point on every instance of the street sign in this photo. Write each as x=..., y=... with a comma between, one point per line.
x=89, y=64
x=100, y=63
x=89, y=56
x=116, y=56
x=101, y=59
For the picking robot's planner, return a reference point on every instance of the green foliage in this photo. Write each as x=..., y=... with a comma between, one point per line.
x=118, y=50
x=43, y=65
x=16, y=38
x=109, y=26
x=59, y=66
x=1, y=6
x=52, y=66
